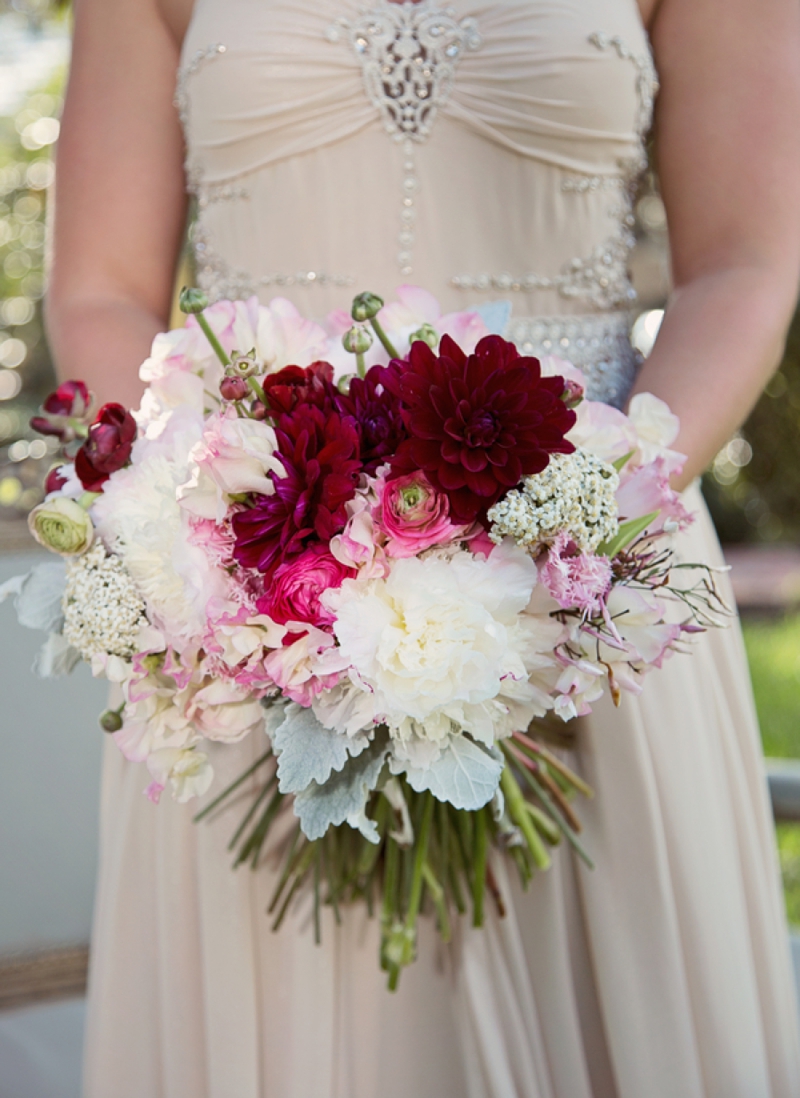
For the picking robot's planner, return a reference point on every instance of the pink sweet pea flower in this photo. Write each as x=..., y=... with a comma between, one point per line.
x=647, y=489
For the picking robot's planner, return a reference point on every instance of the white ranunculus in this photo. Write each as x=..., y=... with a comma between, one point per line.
x=435, y=640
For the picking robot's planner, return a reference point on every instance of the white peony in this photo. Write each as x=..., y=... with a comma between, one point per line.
x=138, y=516
x=437, y=643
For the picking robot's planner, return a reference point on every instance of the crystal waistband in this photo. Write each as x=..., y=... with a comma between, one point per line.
x=597, y=343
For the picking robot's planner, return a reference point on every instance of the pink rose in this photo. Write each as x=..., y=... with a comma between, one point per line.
x=294, y=594
x=414, y=515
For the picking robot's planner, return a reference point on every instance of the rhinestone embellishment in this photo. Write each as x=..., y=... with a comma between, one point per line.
x=408, y=55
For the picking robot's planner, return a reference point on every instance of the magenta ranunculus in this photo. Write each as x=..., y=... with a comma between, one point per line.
x=414, y=515
x=297, y=585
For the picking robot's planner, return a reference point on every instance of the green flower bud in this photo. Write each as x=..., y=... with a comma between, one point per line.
x=357, y=340
x=111, y=720
x=366, y=306
x=62, y=526
x=428, y=334
x=192, y=300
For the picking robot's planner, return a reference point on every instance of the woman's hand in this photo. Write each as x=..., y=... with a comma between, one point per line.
x=120, y=204
x=728, y=147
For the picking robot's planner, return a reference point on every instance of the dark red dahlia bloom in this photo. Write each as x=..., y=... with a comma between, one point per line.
x=478, y=424
x=108, y=447
x=295, y=385
x=71, y=400
x=378, y=414
x=320, y=452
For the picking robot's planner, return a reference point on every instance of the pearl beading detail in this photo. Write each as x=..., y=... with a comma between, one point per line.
x=408, y=55
x=601, y=277
x=597, y=343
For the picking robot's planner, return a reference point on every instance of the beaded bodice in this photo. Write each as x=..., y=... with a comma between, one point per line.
x=483, y=150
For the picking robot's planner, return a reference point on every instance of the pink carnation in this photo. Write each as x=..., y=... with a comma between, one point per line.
x=294, y=593
x=414, y=515
x=576, y=580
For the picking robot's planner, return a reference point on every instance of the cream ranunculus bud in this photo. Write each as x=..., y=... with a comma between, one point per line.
x=366, y=306
x=428, y=334
x=357, y=340
x=62, y=526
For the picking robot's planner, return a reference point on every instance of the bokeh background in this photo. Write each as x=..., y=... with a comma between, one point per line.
x=49, y=741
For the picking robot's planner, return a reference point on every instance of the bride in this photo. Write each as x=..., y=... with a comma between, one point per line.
x=504, y=171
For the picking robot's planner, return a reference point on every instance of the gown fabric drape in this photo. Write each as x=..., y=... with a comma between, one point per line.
x=663, y=973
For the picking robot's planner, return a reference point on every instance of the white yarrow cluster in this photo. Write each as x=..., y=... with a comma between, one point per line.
x=102, y=609
x=575, y=494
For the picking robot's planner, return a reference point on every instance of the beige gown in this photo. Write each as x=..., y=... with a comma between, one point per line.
x=501, y=170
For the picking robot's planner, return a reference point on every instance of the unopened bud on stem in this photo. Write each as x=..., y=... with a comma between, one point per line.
x=366, y=306
x=192, y=300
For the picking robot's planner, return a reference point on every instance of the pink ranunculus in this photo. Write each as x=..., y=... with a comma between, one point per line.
x=575, y=579
x=414, y=515
x=294, y=594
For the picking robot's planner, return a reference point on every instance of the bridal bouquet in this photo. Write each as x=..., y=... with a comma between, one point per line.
x=390, y=548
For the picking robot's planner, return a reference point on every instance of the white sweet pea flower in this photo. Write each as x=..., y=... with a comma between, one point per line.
x=233, y=457
x=657, y=428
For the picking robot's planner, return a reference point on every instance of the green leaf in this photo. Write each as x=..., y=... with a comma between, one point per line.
x=628, y=532
x=620, y=463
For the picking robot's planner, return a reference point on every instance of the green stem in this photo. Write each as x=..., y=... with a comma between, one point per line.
x=361, y=364
x=420, y=854
x=257, y=389
x=519, y=814
x=382, y=336
x=217, y=347
x=479, y=879
x=87, y=499
x=438, y=897
x=234, y=785
x=252, y=811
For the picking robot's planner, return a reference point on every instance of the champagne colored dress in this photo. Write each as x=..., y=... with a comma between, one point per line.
x=483, y=150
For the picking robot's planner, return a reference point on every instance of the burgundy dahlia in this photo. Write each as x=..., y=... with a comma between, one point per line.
x=295, y=385
x=107, y=448
x=478, y=424
x=377, y=412
x=320, y=452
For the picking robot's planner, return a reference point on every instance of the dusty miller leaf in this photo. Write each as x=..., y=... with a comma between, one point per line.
x=343, y=797
x=38, y=596
x=307, y=751
x=56, y=657
x=465, y=775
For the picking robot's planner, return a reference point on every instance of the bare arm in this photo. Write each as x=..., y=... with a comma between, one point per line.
x=120, y=204
x=729, y=163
